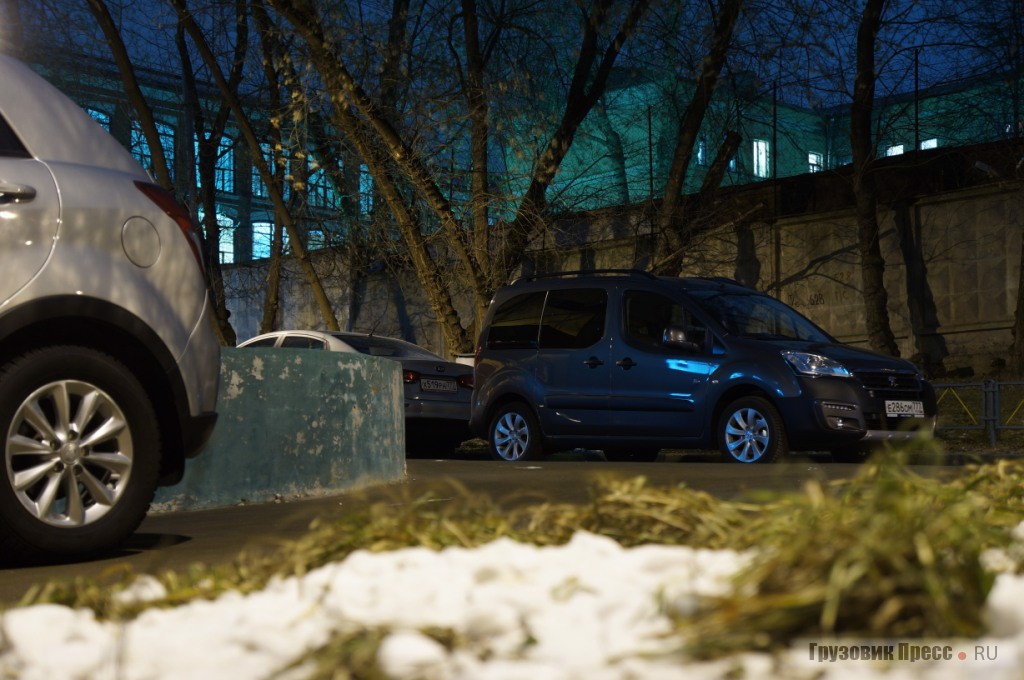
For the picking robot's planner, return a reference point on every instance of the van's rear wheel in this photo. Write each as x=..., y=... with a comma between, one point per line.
x=751, y=431
x=81, y=451
x=514, y=433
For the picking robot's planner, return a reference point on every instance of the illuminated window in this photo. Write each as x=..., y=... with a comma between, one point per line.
x=140, y=147
x=321, y=190
x=702, y=152
x=894, y=150
x=226, y=238
x=815, y=161
x=224, y=166
x=259, y=187
x=932, y=143
x=365, y=190
x=761, y=158
x=101, y=117
x=263, y=238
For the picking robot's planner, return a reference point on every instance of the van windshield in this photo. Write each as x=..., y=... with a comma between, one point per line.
x=753, y=315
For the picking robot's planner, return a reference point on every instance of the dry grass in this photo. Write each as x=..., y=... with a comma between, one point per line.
x=886, y=554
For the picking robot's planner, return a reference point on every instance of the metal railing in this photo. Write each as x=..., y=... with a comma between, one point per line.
x=989, y=407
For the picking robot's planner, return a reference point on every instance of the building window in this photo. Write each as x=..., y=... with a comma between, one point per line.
x=225, y=237
x=140, y=147
x=815, y=161
x=365, y=190
x=932, y=143
x=224, y=167
x=259, y=187
x=101, y=117
x=226, y=243
x=263, y=239
x=702, y=152
x=320, y=189
x=761, y=158
x=894, y=150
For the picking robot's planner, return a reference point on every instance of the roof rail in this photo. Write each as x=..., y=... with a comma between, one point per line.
x=587, y=272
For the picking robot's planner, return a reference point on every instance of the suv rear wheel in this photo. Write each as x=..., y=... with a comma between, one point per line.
x=81, y=452
x=514, y=433
x=751, y=431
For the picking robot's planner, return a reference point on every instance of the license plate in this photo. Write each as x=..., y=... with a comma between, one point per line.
x=436, y=385
x=904, y=409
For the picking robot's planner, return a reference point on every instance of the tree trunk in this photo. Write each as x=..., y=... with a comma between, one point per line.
x=924, y=317
x=876, y=313
x=242, y=120
x=669, y=226
x=131, y=87
x=479, y=137
x=204, y=167
x=587, y=86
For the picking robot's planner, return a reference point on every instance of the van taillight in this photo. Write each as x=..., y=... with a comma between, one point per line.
x=165, y=201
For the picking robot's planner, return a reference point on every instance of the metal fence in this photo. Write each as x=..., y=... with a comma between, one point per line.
x=989, y=407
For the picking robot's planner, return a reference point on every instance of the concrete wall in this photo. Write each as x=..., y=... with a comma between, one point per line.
x=969, y=240
x=296, y=423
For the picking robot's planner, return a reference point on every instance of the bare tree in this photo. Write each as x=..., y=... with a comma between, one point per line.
x=862, y=143
x=241, y=117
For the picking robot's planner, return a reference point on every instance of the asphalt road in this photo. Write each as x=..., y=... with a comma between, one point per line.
x=176, y=540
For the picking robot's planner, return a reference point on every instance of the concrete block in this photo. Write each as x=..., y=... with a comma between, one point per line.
x=296, y=423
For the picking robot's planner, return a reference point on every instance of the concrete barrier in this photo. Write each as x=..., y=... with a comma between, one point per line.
x=296, y=423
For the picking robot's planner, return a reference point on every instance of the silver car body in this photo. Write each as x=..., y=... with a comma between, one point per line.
x=144, y=272
x=440, y=390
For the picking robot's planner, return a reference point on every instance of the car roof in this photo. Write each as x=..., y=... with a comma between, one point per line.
x=340, y=335
x=567, y=279
x=52, y=127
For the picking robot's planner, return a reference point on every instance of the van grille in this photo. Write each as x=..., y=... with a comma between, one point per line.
x=889, y=382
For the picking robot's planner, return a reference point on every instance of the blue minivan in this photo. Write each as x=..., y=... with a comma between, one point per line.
x=631, y=363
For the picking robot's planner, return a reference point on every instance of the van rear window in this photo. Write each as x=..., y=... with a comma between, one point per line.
x=516, y=323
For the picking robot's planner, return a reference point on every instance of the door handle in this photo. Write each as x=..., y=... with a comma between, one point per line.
x=14, y=193
x=626, y=363
x=594, y=362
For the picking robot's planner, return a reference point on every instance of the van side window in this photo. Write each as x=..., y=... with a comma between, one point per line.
x=647, y=315
x=516, y=322
x=573, y=319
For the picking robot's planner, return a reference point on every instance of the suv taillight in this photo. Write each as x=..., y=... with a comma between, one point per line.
x=165, y=201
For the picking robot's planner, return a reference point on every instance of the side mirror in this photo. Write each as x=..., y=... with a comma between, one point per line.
x=676, y=337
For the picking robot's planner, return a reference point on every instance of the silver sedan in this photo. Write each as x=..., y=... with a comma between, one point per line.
x=437, y=391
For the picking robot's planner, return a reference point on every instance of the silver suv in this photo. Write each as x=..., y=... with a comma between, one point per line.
x=108, y=360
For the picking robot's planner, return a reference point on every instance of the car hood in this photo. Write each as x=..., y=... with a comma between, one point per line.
x=52, y=127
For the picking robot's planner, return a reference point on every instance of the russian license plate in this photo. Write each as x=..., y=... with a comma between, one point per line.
x=438, y=385
x=904, y=409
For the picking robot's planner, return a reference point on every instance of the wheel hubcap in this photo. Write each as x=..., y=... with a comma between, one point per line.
x=511, y=436
x=68, y=453
x=747, y=436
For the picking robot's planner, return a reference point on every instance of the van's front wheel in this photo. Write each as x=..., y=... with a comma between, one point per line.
x=514, y=433
x=751, y=431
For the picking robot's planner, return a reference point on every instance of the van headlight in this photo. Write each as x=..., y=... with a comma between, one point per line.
x=806, y=363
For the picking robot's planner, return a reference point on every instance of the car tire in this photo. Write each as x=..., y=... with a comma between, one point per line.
x=514, y=434
x=751, y=431
x=81, y=450
x=632, y=455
